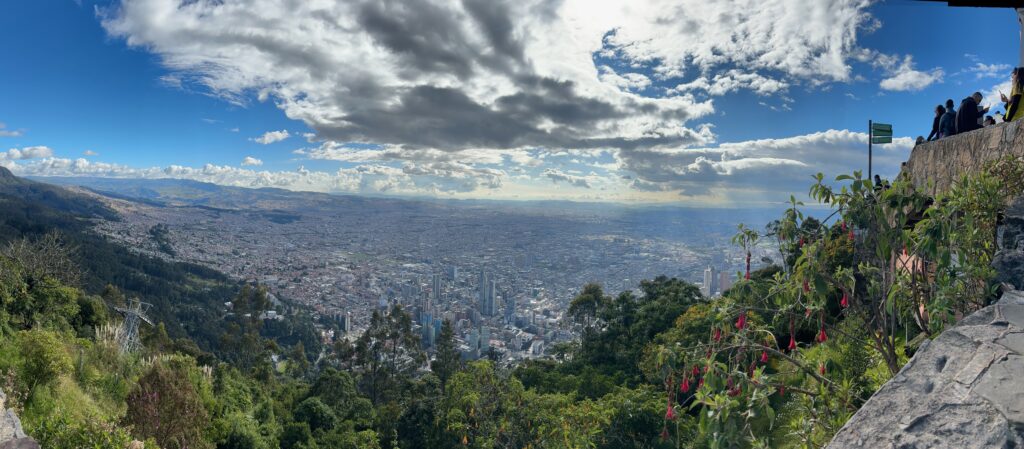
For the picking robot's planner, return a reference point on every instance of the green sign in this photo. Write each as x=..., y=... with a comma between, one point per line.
x=881, y=139
x=882, y=133
x=879, y=128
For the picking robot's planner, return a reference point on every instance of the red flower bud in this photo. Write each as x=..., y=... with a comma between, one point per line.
x=845, y=302
x=685, y=386
x=821, y=369
x=764, y=356
x=696, y=371
x=670, y=412
x=741, y=322
x=792, y=343
x=700, y=383
x=664, y=433
x=807, y=286
x=718, y=334
x=822, y=337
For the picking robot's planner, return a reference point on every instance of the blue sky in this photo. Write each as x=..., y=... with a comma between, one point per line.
x=135, y=89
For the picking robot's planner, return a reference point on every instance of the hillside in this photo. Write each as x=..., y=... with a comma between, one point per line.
x=187, y=298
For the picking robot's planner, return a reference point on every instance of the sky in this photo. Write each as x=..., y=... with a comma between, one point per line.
x=724, y=103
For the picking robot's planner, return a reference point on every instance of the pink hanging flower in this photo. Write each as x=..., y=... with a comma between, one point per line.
x=845, y=302
x=696, y=371
x=792, y=343
x=670, y=412
x=821, y=369
x=685, y=386
x=700, y=383
x=822, y=336
x=764, y=356
x=664, y=433
x=741, y=322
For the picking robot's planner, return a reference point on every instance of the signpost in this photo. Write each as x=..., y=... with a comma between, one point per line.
x=877, y=133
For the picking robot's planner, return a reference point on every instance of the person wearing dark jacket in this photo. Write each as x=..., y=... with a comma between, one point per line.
x=935, y=134
x=969, y=115
x=947, y=124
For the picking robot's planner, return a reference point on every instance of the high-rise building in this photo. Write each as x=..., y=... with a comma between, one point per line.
x=487, y=293
x=710, y=285
x=510, y=308
x=453, y=272
x=436, y=287
x=724, y=281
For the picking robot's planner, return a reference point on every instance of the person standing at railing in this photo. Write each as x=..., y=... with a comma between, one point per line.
x=1013, y=106
x=947, y=124
x=935, y=134
x=970, y=115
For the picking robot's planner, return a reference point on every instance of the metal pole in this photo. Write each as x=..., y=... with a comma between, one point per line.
x=870, y=136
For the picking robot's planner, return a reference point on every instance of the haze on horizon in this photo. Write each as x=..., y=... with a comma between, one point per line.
x=722, y=103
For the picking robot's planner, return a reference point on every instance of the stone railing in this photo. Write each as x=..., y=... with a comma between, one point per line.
x=935, y=165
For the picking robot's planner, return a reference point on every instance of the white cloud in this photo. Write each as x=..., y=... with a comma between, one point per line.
x=4, y=132
x=905, y=78
x=90, y=153
x=270, y=137
x=557, y=176
x=15, y=154
x=251, y=161
x=769, y=167
x=488, y=74
x=732, y=80
x=981, y=70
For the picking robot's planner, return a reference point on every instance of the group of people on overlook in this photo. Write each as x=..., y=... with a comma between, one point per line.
x=971, y=115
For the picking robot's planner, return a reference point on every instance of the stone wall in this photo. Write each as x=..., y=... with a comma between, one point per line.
x=946, y=160
x=963, y=390
x=11, y=434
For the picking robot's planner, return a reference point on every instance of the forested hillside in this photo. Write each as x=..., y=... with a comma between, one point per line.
x=783, y=359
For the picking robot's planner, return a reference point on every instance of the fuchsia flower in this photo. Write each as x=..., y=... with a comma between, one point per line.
x=664, y=433
x=792, y=343
x=685, y=386
x=807, y=286
x=700, y=383
x=718, y=334
x=845, y=302
x=822, y=336
x=670, y=412
x=696, y=371
x=821, y=369
x=741, y=322
x=764, y=356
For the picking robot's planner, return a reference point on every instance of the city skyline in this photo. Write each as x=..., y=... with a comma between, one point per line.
x=518, y=101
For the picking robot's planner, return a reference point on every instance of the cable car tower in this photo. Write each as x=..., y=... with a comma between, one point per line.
x=128, y=334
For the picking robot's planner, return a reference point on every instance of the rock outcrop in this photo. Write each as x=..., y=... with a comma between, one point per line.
x=963, y=390
x=941, y=162
x=12, y=436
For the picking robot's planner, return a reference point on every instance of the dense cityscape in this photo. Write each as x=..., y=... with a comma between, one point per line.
x=503, y=277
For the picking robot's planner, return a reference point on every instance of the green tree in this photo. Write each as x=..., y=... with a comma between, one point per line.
x=318, y=415
x=297, y=435
x=387, y=355
x=44, y=357
x=165, y=405
x=447, y=360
